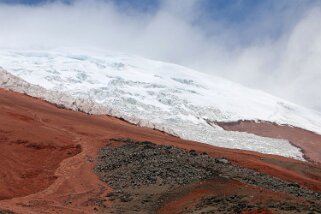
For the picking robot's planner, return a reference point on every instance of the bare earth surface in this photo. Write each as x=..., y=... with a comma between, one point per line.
x=49, y=155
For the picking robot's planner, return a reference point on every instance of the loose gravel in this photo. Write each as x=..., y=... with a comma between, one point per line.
x=134, y=166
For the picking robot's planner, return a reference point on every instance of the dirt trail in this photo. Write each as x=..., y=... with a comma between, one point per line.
x=48, y=155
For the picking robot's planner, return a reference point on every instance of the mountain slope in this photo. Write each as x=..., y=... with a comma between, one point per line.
x=48, y=156
x=172, y=98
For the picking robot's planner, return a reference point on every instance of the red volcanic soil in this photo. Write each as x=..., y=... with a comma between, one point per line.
x=47, y=157
x=223, y=187
x=308, y=141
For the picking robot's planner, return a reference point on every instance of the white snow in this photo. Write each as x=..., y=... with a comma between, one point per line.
x=150, y=93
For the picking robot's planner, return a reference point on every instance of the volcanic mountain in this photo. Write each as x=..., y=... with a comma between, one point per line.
x=167, y=97
x=97, y=132
x=55, y=160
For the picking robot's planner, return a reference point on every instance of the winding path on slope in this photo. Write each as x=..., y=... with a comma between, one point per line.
x=48, y=155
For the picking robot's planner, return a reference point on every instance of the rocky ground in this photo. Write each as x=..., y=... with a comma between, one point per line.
x=145, y=176
x=50, y=158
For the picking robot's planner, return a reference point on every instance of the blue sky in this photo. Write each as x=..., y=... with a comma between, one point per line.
x=232, y=13
x=228, y=10
x=233, y=10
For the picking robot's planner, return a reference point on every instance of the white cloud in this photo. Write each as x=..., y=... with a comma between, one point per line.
x=287, y=65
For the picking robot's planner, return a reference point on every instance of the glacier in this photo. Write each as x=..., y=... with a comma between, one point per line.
x=164, y=96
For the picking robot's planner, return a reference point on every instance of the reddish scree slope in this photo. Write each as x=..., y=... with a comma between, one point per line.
x=47, y=156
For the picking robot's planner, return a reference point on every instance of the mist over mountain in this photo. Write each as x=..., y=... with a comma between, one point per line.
x=272, y=45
